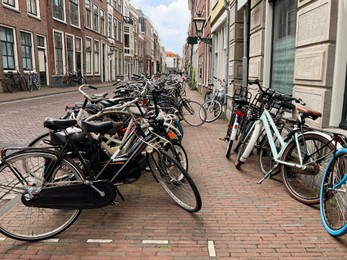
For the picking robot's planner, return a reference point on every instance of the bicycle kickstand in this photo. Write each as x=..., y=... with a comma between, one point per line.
x=267, y=175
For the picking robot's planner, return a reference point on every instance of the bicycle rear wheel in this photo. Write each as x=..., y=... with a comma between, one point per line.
x=333, y=199
x=304, y=184
x=30, y=85
x=30, y=223
x=213, y=110
x=10, y=84
x=175, y=180
x=193, y=113
x=23, y=84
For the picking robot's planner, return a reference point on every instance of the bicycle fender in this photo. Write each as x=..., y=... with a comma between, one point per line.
x=256, y=131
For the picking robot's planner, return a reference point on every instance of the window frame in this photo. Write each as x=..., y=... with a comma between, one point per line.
x=91, y=55
x=71, y=2
x=14, y=50
x=55, y=52
x=37, y=3
x=96, y=18
x=96, y=60
x=64, y=10
x=15, y=5
x=88, y=10
x=67, y=69
x=30, y=52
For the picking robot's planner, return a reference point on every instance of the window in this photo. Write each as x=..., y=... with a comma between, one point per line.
x=88, y=14
x=96, y=18
x=74, y=13
x=26, y=48
x=283, y=46
x=88, y=56
x=102, y=22
x=120, y=63
x=120, y=35
x=58, y=10
x=40, y=41
x=7, y=48
x=11, y=3
x=115, y=21
x=116, y=62
x=58, y=52
x=96, y=57
x=109, y=25
x=78, y=54
x=32, y=7
x=70, y=54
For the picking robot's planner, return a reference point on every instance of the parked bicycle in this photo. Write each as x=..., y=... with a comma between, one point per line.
x=214, y=102
x=333, y=193
x=16, y=81
x=301, y=156
x=76, y=77
x=55, y=184
x=33, y=81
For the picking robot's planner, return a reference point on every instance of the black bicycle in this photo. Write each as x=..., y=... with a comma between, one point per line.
x=16, y=82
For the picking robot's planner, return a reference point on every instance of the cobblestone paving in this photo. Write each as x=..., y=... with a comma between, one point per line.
x=239, y=218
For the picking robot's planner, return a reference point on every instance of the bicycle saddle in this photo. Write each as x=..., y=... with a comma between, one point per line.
x=56, y=124
x=313, y=114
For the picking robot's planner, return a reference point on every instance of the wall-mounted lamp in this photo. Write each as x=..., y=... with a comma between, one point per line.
x=199, y=22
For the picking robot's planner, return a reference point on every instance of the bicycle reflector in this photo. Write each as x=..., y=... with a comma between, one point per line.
x=240, y=113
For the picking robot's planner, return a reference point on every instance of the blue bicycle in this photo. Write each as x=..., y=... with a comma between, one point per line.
x=333, y=194
x=33, y=81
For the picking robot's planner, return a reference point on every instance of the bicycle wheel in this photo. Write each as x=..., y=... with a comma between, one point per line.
x=32, y=223
x=10, y=84
x=333, y=199
x=213, y=110
x=30, y=85
x=228, y=135
x=181, y=153
x=193, y=113
x=304, y=185
x=36, y=82
x=23, y=84
x=175, y=180
x=40, y=141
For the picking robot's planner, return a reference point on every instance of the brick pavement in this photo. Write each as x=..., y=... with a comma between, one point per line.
x=239, y=218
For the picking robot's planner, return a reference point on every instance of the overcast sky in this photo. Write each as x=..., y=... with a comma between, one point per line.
x=170, y=18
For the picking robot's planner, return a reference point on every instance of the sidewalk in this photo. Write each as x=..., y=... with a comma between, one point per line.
x=45, y=91
x=239, y=219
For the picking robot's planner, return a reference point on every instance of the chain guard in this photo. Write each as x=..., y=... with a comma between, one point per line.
x=75, y=196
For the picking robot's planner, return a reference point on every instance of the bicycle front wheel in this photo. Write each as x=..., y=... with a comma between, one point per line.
x=213, y=110
x=304, y=184
x=21, y=172
x=193, y=113
x=23, y=84
x=175, y=180
x=30, y=85
x=333, y=199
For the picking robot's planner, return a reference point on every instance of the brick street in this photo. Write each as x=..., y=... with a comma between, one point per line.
x=239, y=219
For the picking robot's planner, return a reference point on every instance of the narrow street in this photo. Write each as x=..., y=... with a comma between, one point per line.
x=239, y=219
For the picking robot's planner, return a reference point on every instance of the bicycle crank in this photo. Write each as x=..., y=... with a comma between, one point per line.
x=76, y=196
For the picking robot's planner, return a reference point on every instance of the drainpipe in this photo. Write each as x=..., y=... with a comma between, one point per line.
x=227, y=52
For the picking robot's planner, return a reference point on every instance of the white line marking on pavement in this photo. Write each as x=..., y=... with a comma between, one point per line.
x=162, y=242
x=104, y=241
x=211, y=249
x=52, y=240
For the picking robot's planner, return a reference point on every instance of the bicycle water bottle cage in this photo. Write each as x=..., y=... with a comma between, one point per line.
x=309, y=113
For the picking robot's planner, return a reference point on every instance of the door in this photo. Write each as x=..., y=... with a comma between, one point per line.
x=42, y=67
x=343, y=123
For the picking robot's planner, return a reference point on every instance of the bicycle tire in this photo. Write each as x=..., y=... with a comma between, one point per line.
x=333, y=203
x=228, y=135
x=36, y=81
x=175, y=181
x=30, y=85
x=31, y=165
x=23, y=84
x=193, y=113
x=40, y=141
x=10, y=84
x=305, y=186
x=182, y=155
x=213, y=110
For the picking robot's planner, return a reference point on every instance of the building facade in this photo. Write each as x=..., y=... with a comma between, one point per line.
x=293, y=46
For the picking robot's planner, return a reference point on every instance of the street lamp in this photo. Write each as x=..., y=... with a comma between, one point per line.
x=199, y=26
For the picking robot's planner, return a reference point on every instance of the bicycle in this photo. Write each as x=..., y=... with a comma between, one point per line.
x=300, y=156
x=15, y=81
x=213, y=104
x=333, y=199
x=33, y=81
x=75, y=77
x=55, y=185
